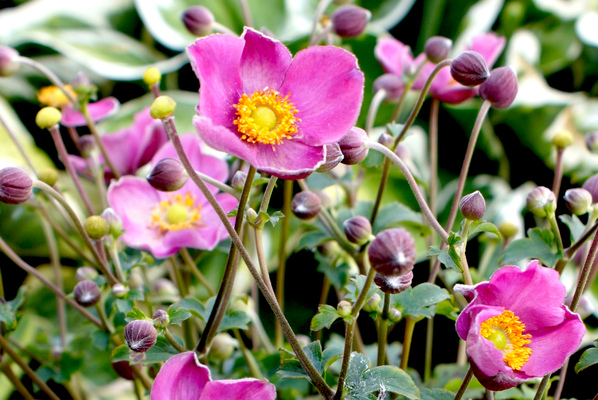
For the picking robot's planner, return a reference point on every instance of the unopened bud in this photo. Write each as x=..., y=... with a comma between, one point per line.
x=386, y=140
x=9, y=63
x=394, y=284
x=198, y=20
x=135, y=280
x=119, y=290
x=507, y=229
x=344, y=308
x=334, y=156
x=124, y=370
x=83, y=87
x=115, y=222
x=238, y=181
x=541, y=201
x=161, y=319
x=358, y=229
x=306, y=205
x=392, y=253
x=562, y=139
x=168, y=175
x=437, y=48
x=592, y=142
x=395, y=315
x=251, y=215
x=152, y=76
x=162, y=107
x=350, y=21
x=164, y=287
x=96, y=227
x=392, y=84
x=87, y=145
x=373, y=303
x=223, y=346
x=469, y=69
x=500, y=88
x=47, y=117
x=48, y=175
x=87, y=293
x=473, y=206
x=140, y=335
x=15, y=185
x=353, y=146
x=584, y=307
x=579, y=201
x=85, y=273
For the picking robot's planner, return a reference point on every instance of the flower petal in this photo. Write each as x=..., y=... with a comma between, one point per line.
x=394, y=56
x=182, y=377
x=150, y=134
x=489, y=46
x=326, y=87
x=122, y=147
x=98, y=110
x=263, y=63
x=239, y=389
x=290, y=160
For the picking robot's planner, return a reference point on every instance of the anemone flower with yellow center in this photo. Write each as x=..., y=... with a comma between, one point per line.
x=165, y=222
x=274, y=111
x=516, y=326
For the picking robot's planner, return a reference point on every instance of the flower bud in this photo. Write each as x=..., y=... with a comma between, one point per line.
x=9, y=61
x=168, y=175
x=223, y=346
x=541, y=201
x=333, y=157
x=373, y=303
x=437, y=48
x=394, y=284
x=350, y=21
x=85, y=273
x=87, y=293
x=124, y=370
x=562, y=139
x=306, y=205
x=161, y=319
x=15, y=185
x=251, y=215
x=198, y=20
x=135, y=280
x=48, y=175
x=392, y=84
x=353, y=146
x=47, y=117
x=358, y=229
x=152, y=76
x=592, y=142
x=115, y=222
x=164, y=287
x=162, y=107
x=140, y=335
x=96, y=227
x=87, y=145
x=473, y=206
x=392, y=253
x=238, y=180
x=500, y=88
x=344, y=308
x=83, y=87
x=591, y=185
x=395, y=315
x=507, y=229
x=579, y=201
x=386, y=140
x=469, y=69
x=584, y=307
x=119, y=290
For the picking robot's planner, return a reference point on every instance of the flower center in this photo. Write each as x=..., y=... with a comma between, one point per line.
x=178, y=212
x=54, y=97
x=266, y=117
x=505, y=331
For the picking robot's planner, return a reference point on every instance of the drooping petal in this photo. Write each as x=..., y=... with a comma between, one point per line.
x=182, y=377
x=239, y=389
x=122, y=147
x=489, y=46
x=326, y=87
x=98, y=110
x=264, y=61
x=290, y=160
x=215, y=60
x=394, y=56
x=151, y=135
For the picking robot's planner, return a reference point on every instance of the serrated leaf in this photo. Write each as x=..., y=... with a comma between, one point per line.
x=291, y=368
x=336, y=270
x=537, y=245
x=355, y=286
x=312, y=239
x=324, y=318
x=134, y=314
x=7, y=316
x=587, y=359
x=235, y=319
x=274, y=218
x=232, y=213
x=124, y=305
x=177, y=314
x=421, y=300
x=443, y=257
x=481, y=226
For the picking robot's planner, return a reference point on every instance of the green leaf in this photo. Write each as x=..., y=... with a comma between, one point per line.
x=124, y=305
x=448, y=309
x=538, y=244
x=7, y=316
x=355, y=286
x=421, y=300
x=177, y=314
x=274, y=218
x=291, y=368
x=588, y=358
x=444, y=257
x=336, y=270
x=576, y=227
x=135, y=314
x=120, y=353
x=313, y=239
x=235, y=319
x=324, y=318
x=232, y=213
x=482, y=226
x=436, y=394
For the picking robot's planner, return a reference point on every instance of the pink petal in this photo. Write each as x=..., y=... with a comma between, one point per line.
x=326, y=86
x=290, y=160
x=263, y=63
x=182, y=377
x=123, y=148
x=489, y=46
x=215, y=60
x=98, y=110
x=151, y=135
x=394, y=56
x=239, y=389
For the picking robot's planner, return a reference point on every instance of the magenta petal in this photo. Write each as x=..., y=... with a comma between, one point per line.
x=123, y=148
x=150, y=134
x=394, y=56
x=489, y=46
x=182, y=377
x=238, y=389
x=263, y=63
x=98, y=110
x=215, y=60
x=290, y=160
x=326, y=86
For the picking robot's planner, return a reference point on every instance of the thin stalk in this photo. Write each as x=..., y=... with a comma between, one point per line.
x=100, y=181
x=377, y=99
x=428, y=354
x=174, y=343
x=542, y=387
x=383, y=330
x=323, y=300
x=261, y=257
x=252, y=364
x=112, y=250
x=464, y=385
x=409, y=326
x=555, y=230
x=434, y=107
x=464, y=264
x=322, y=5
x=218, y=27
x=558, y=172
x=50, y=75
x=17, y=144
x=155, y=88
x=223, y=187
x=489, y=395
x=585, y=273
x=92, y=128
x=178, y=277
x=106, y=326
x=561, y=382
x=16, y=382
x=287, y=197
x=246, y=13
x=32, y=271
x=195, y=271
x=74, y=137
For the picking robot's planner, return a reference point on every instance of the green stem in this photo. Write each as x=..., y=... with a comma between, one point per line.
x=542, y=387
x=252, y=364
x=196, y=272
x=322, y=5
x=464, y=385
x=50, y=75
x=5, y=368
x=261, y=258
x=92, y=128
x=112, y=250
x=409, y=326
x=223, y=187
x=17, y=144
x=558, y=172
x=377, y=99
x=383, y=330
x=287, y=197
x=429, y=348
x=555, y=230
x=173, y=341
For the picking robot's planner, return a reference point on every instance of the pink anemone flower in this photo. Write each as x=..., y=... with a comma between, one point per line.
x=276, y=112
x=98, y=111
x=165, y=222
x=182, y=377
x=516, y=326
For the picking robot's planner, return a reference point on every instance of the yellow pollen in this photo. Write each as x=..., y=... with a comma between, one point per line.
x=266, y=117
x=505, y=331
x=54, y=97
x=176, y=213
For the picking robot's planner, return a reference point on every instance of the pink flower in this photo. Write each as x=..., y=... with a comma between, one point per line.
x=277, y=112
x=182, y=377
x=163, y=223
x=517, y=327
x=98, y=111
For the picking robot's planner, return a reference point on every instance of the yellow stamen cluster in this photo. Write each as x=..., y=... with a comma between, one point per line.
x=266, y=117
x=176, y=213
x=509, y=326
x=54, y=97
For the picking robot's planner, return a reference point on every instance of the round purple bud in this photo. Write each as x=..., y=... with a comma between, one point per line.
x=9, y=61
x=168, y=175
x=473, y=206
x=437, y=48
x=392, y=84
x=161, y=319
x=334, y=156
x=541, y=201
x=386, y=140
x=392, y=253
x=469, y=69
x=394, y=284
x=353, y=146
x=350, y=21
x=124, y=370
x=579, y=200
x=140, y=335
x=87, y=293
x=592, y=142
x=15, y=185
x=85, y=273
x=500, y=88
x=358, y=229
x=238, y=180
x=198, y=20
x=591, y=185
x=306, y=205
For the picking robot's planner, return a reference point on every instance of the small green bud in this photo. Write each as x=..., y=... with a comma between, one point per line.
x=161, y=319
x=507, y=229
x=251, y=216
x=119, y=290
x=48, y=175
x=579, y=201
x=162, y=107
x=223, y=346
x=344, y=308
x=96, y=227
x=541, y=201
x=47, y=117
x=373, y=304
x=152, y=76
x=9, y=61
x=562, y=139
x=114, y=222
x=395, y=315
